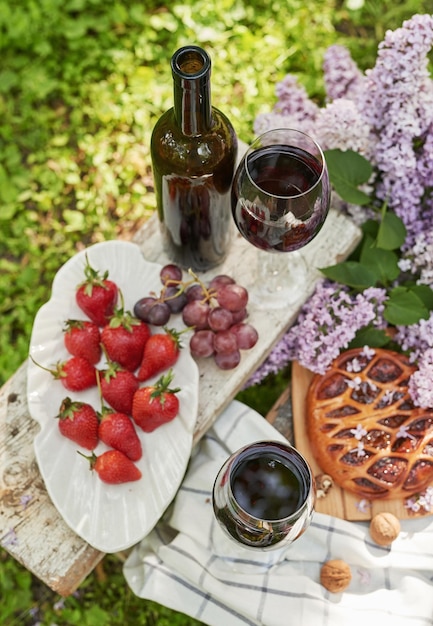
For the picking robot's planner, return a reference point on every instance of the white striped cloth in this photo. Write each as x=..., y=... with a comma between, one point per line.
x=180, y=566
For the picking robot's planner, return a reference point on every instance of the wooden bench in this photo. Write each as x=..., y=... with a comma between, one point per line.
x=31, y=529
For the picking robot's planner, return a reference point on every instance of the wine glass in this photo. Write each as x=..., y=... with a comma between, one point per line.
x=280, y=199
x=263, y=499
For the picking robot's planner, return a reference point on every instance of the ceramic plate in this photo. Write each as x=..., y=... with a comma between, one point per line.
x=109, y=517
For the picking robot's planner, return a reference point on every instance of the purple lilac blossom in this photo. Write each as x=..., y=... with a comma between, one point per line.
x=293, y=109
x=343, y=78
x=418, y=259
x=416, y=338
x=420, y=383
x=397, y=104
x=325, y=326
x=340, y=125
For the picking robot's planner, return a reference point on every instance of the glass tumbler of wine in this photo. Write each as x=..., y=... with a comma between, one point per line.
x=280, y=200
x=263, y=499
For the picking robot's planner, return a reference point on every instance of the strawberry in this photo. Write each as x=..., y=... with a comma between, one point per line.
x=82, y=338
x=79, y=422
x=160, y=352
x=118, y=387
x=117, y=431
x=96, y=295
x=75, y=374
x=124, y=339
x=113, y=467
x=155, y=405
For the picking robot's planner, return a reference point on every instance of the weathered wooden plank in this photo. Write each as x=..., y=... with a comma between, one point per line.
x=31, y=529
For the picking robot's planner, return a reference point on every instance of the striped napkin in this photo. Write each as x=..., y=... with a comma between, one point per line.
x=187, y=564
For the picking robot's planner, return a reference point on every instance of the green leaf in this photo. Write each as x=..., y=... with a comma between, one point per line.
x=347, y=170
x=404, y=307
x=370, y=336
x=425, y=294
x=392, y=232
x=351, y=273
x=384, y=263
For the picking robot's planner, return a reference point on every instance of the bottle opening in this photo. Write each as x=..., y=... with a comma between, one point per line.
x=190, y=62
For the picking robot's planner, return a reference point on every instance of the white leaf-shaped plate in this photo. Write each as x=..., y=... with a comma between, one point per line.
x=109, y=517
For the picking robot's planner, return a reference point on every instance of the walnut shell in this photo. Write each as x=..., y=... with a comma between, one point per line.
x=384, y=528
x=335, y=575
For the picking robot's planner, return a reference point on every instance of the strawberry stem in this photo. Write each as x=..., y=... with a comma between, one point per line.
x=92, y=458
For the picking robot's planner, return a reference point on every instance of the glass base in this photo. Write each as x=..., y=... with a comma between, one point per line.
x=279, y=277
x=238, y=558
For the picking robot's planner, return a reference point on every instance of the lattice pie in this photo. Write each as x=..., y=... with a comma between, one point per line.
x=365, y=431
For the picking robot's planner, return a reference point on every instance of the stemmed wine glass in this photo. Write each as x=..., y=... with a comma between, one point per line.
x=263, y=498
x=280, y=200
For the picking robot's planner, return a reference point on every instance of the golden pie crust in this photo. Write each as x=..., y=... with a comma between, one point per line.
x=364, y=429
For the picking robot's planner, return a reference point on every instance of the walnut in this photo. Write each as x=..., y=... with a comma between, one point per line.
x=324, y=483
x=384, y=528
x=335, y=575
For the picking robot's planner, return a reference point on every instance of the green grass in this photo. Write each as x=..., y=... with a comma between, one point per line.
x=82, y=83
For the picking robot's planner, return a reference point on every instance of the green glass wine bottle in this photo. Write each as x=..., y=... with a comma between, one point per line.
x=194, y=151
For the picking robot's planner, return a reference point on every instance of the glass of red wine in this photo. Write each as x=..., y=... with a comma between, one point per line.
x=263, y=499
x=280, y=199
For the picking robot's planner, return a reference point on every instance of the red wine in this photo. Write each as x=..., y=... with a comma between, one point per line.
x=264, y=494
x=266, y=488
x=281, y=203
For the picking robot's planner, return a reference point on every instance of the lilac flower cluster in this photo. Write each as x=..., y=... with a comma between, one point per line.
x=421, y=503
x=343, y=78
x=397, y=103
x=420, y=383
x=325, y=326
x=386, y=114
x=293, y=109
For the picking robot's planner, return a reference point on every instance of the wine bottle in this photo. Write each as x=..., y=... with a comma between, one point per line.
x=194, y=151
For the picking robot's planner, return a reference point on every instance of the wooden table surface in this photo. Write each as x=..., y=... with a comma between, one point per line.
x=31, y=529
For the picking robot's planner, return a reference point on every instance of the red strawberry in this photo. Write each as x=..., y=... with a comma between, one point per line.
x=75, y=374
x=79, y=422
x=114, y=467
x=155, y=405
x=160, y=352
x=82, y=338
x=124, y=339
x=118, y=387
x=117, y=431
x=96, y=295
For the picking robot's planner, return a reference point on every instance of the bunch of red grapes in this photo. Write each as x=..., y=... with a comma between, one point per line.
x=216, y=313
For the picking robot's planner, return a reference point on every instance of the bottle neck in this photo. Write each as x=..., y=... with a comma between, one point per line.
x=191, y=69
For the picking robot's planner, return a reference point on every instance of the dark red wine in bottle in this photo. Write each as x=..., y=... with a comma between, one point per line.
x=194, y=150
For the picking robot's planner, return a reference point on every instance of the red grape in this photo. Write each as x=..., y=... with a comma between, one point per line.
x=225, y=342
x=158, y=314
x=239, y=316
x=220, y=319
x=175, y=299
x=195, y=314
x=170, y=273
x=201, y=343
x=220, y=280
x=232, y=297
x=152, y=311
x=246, y=335
x=195, y=292
x=227, y=361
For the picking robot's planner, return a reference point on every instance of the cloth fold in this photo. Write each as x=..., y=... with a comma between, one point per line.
x=188, y=564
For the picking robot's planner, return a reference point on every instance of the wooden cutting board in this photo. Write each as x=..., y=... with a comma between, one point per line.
x=337, y=502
